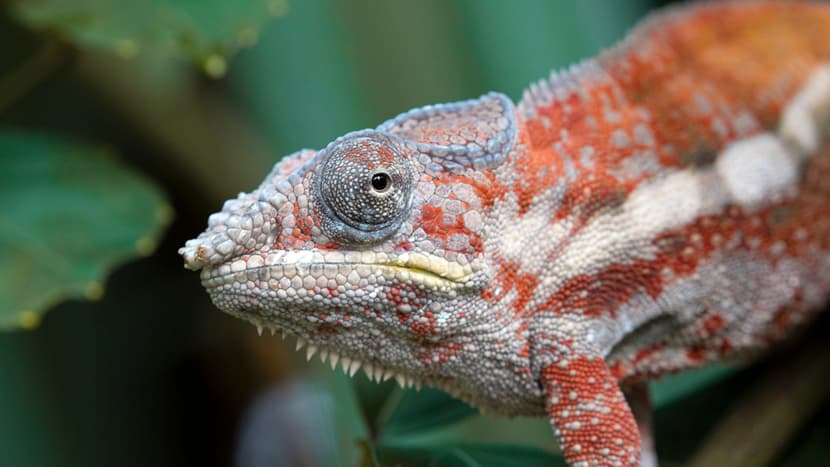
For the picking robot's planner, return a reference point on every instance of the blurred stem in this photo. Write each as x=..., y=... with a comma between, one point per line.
x=768, y=417
x=36, y=69
x=373, y=399
x=367, y=455
x=208, y=148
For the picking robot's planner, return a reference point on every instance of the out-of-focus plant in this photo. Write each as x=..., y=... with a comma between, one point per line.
x=71, y=211
x=207, y=31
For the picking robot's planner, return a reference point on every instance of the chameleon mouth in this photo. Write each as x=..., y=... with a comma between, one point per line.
x=305, y=269
x=292, y=277
x=240, y=287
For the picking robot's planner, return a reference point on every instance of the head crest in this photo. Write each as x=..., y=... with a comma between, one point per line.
x=475, y=133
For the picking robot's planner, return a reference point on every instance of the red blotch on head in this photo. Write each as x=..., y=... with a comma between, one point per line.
x=434, y=225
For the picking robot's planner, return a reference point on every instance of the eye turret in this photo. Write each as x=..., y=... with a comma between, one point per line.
x=364, y=188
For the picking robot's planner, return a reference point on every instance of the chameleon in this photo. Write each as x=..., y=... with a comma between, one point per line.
x=654, y=209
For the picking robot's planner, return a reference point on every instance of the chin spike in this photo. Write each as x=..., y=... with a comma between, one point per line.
x=401, y=380
x=369, y=370
x=354, y=367
x=333, y=360
x=310, y=351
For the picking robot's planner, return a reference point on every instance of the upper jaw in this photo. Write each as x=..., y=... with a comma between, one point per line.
x=243, y=224
x=342, y=267
x=195, y=254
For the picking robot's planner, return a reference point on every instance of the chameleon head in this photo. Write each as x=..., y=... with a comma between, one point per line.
x=372, y=248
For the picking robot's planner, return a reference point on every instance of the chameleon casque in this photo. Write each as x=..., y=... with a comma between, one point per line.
x=660, y=207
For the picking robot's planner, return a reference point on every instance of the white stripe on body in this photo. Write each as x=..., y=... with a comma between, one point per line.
x=748, y=173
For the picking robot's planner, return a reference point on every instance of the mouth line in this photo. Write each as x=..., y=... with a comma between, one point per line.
x=419, y=275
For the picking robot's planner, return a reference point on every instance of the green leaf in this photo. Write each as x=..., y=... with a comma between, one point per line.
x=423, y=410
x=70, y=214
x=464, y=455
x=206, y=30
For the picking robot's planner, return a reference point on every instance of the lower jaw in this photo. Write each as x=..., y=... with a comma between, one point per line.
x=349, y=365
x=376, y=372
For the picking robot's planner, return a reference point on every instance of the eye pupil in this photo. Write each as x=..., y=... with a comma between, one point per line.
x=381, y=182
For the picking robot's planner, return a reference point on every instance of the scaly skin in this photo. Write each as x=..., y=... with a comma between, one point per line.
x=661, y=207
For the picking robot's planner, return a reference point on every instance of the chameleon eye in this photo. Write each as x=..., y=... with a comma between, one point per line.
x=381, y=182
x=364, y=187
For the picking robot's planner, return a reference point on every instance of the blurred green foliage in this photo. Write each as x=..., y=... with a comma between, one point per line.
x=151, y=374
x=408, y=431
x=205, y=30
x=70, y=213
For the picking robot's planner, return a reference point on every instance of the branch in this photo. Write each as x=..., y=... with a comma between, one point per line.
x=770, y=415
x=35, y=70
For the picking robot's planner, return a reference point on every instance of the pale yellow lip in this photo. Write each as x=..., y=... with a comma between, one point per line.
x=436, y=265
x=419, y=268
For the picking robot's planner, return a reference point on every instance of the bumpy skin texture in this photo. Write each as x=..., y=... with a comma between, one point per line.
x=655, y=209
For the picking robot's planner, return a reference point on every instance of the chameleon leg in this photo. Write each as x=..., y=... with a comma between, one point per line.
x=639, y=400
x=589, y=413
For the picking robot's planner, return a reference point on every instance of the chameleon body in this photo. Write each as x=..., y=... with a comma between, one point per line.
x=660, y=207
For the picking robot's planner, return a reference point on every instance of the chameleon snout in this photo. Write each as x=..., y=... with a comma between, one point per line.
x=243, y=224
